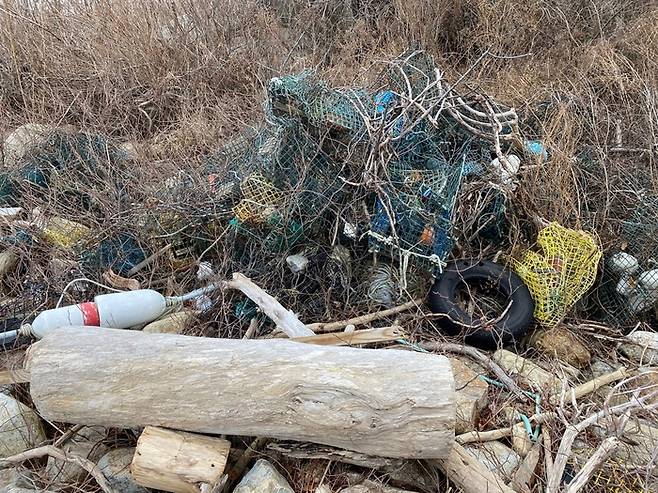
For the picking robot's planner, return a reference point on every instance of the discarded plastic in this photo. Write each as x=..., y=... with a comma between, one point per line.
x=115, y=311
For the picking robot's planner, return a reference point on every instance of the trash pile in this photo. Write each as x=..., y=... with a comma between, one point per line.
x=389, y=216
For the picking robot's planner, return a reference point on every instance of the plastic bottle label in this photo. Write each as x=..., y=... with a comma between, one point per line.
x=90, y=314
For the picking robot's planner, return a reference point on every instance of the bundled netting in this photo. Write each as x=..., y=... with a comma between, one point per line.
x=561, y=273
x=281, y=188
x=422, y=155
x=629, y=287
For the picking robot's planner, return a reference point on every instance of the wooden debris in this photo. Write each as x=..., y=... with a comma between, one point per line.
x=177, y=461
x=355, y=338
x=470, y=396
x=119, y=282
x=389, y=403
x=173, y=323
x=87, y=442
x=54, y=452
x=365, y=319
x=531, y=374
x=482, y=359
x=298, y=450
x=598, y=382
x=525, y=475
x=469, y=474
x=241, y=464
x=286, y=320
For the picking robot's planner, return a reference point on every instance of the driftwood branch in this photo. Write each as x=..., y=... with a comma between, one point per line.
x=55, y=453
x=577, y=393
x=470, y=474
x=286, y=320
x=364, y=319
x=481, y=358
x=367, y=336
x=605, y=450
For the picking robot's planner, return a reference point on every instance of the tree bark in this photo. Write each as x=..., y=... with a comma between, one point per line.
x=177, y=461
x=379, y=402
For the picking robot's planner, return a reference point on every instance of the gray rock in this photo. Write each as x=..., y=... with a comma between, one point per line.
x=115, y=465
x=368, y=486
x=297, y=263
x=263, y=478
x=22, y=140
x=496, y=457
x=87, y=443
x=20, y=427
x=600, y=367
x=642, y=348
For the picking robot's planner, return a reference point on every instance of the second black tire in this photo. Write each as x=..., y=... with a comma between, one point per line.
x=505, y=329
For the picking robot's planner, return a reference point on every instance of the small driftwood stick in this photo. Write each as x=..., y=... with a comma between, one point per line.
x=59, y=454
x=252, y=329
x=525, y=474
x=364, y=319
x=470, y=474
x=572, y=431
x=286, y=320
x=368, y=336
x=578, y=392
x=481, y=358
x=598, y=382
x=605, y=450
x=483, y=436
x=148, y=260
x=549, y=466
x=241, y=464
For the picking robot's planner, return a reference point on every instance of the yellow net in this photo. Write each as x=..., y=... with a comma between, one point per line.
x=561, y=273
x=259, y=200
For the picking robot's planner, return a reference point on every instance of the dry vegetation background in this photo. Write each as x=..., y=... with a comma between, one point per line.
x=184, y=75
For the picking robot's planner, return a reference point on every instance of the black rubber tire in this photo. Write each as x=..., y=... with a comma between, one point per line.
x=511, y=327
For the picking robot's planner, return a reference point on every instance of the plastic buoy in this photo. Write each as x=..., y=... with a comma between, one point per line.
x=114, y=311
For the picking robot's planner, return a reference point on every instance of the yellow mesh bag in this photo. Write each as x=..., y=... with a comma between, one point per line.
x=259, y=200
x=561, y=273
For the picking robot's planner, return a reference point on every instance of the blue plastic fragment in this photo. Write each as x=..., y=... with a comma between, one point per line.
x=536, y=148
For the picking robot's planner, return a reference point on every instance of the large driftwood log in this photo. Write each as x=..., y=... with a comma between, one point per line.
x=379, y=402
x=177, y=461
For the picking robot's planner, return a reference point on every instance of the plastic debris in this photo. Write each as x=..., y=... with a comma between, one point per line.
x=561, y=273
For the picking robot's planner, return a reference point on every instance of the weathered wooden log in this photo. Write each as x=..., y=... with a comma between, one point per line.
x=469, y=474
x=379, y=402
x=176, y=461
